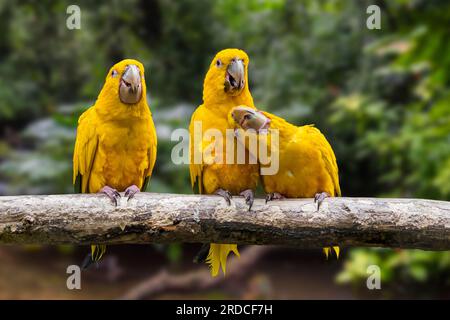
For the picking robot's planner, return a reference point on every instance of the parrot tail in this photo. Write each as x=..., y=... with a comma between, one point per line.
x=97, y=252
x=217, y=257
x=327, y=251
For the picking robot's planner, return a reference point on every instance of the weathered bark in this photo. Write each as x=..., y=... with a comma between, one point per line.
x=149, y=217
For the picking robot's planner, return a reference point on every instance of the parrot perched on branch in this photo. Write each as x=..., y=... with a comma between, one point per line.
x=225, y=86
x=115, y=148
x=307, y=164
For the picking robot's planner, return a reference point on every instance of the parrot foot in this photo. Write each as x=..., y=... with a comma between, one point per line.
x=225, y=194
x=131, y=191
x=113, y=194
x=249, y=197
x=319, y=197
x=274, y=196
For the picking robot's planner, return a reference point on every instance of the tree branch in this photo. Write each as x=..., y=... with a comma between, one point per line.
x=150, y=217
x=200, y=279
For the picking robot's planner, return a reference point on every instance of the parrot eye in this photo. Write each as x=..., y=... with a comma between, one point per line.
x=114, y=73
x=247, y=117
x=218, y=63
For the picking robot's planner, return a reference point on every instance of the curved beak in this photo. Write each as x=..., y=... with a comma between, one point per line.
x=239, y=113
x=130, y=89
x=235, y=77
x=248, y=118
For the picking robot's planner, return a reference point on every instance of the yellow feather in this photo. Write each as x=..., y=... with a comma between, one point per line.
x=213, y=114
x=116, y=142
x=307, y=164
x=225, y=250
x=217, y=257
x=336, y=250
x=326, y=250
x=213, y=259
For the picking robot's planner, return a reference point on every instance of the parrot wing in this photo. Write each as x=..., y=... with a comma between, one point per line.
x=327, y=155
x=85, y=150
x=151, y=155
x=195, y=169
x=332, y=168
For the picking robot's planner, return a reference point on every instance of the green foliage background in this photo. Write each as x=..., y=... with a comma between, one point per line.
x=382, y=97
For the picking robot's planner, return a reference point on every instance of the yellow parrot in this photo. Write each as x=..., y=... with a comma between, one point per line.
x=307, y=164
x=115, y=148
x=225, y=86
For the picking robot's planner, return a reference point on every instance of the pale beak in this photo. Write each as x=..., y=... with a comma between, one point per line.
x=235, y=77
x=248, y=118
x=130, y=88
x=239, y=113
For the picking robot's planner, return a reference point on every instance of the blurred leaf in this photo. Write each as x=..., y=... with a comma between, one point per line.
x=174, y=252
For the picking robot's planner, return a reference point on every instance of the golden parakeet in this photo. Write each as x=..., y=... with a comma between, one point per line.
x=307, y=164
x=115, y=148
x=225, y=86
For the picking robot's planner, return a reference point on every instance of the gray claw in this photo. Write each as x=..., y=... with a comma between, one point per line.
x=274, y=196
x=319, y=197
x=225, y=194
x=112, y=194
x=249, y=197
x=131, y=191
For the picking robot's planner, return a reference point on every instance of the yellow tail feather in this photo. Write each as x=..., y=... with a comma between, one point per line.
x=97, y=251
x=336, y=250
x=217, y=257
x=327, y=251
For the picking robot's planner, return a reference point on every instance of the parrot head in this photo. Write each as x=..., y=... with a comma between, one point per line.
x=248, y=118
x=227, y=73
x=125, y=80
